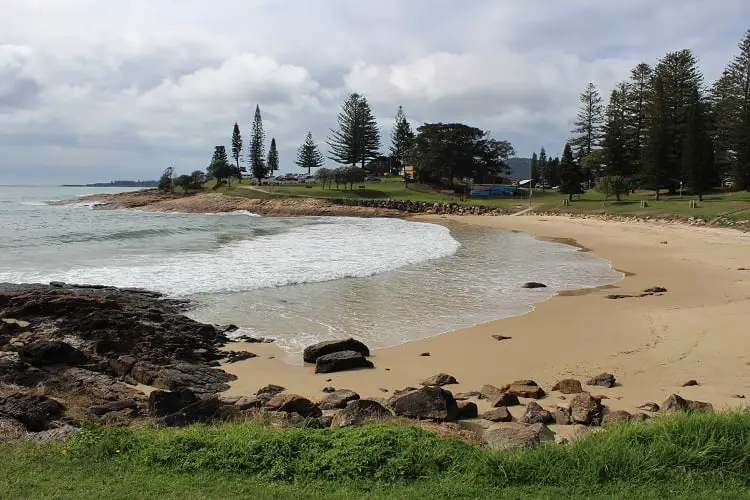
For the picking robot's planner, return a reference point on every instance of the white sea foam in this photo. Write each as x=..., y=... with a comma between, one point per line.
x=344, y=248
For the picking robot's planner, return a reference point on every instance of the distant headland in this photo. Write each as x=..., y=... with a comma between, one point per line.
x=117, y=184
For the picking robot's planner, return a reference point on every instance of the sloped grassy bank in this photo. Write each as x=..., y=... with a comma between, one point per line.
x=686, y=455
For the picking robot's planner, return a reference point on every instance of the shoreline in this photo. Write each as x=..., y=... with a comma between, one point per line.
x=580, y=333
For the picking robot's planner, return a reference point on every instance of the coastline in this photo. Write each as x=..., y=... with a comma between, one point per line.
x=652, y=344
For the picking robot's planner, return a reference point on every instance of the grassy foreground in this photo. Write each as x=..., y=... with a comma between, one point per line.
x=686, y=456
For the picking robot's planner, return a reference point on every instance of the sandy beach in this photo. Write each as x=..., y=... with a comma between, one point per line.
x=697, y=330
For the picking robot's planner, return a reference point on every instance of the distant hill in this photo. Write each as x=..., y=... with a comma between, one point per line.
x=117, y=184
x=519, y=168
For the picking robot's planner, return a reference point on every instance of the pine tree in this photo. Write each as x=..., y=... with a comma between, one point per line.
x=219, y=168
x=543, y=166
x=570, y=174
x=534, y=169
x=273, y=158
x=357, y=139
x=697, y=160
x=658, y=148
x=402, y=138
x=554, y=171
x=635, y=107
x=587, y=131
x=618, y=162
x=257, y=147
x=731, y=105
x=308, y=155
x=237, y=151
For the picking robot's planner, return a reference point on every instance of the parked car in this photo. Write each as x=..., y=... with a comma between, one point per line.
x=372, y=179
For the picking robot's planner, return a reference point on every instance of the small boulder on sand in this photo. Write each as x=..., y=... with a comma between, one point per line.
x=467, y=409
x=568, y=386
x=534, y=284
x=603, y=380
x=652, y=407
x=358, y=412
x=428, y=402
x=293, y=403
x=313, y=352
x=675, y=403
x=535, y=414
x=440, y=380
x=338, y=399
x=510, y=435
x=584, y=409
x=526, y=391
x=500, y=414
x=341, y=361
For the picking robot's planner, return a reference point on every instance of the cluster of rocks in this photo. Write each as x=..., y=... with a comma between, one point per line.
x=338, y=355
x=656, y=290
x=670, y=219
x=422, y=207
x=77, y=351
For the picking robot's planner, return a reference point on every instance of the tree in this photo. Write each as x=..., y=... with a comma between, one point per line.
x=570, y=174
x=257, y=147
x=543, y=167
x=697, y=160
x=166, y=181
x=308, y=155
x=402, y=138
x=731, y=105
x=635, y=96
x=219, y=168
x=324, y=175
x=553, y=169
x=534, y=169
x=273, y=158
x=237, y=152
x=357, y=139
x=590, y=119
x=618, y=164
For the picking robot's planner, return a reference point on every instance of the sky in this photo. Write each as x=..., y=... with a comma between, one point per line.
x=93, y=91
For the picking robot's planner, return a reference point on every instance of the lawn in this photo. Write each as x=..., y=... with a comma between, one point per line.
x=684, y=456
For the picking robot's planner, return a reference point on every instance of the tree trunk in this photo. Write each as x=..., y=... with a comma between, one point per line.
x=700, y=196
x=657, y=194
x=570, y=197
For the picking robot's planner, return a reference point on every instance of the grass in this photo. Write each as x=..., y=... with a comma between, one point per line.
x=685, y=456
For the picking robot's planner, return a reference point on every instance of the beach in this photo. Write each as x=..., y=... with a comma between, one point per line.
x=653, y=344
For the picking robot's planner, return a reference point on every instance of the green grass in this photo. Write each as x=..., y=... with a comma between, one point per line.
x=687, y=456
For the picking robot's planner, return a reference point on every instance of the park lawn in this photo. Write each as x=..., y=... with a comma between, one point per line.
x=682, y=456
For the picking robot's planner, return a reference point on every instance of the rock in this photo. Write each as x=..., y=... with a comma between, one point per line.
x=293, y=403
x=534, y=284
x=690, y=383
x=489, y=392
x=463, y=396
x=584, y=409
x=123, y=404
x=500, y=414
x=313, y=352
x=500, y=338
x=51, y=353
x=506, y=436
x=340, y=361
x=656, y=289
x=122, y=365
x=329, y=389
x=236, y=356
x=568, y=386
x=338, y=399
x=467, y=409
x=203, y=410
x=738, y=396
x=440, y=379
x=269, y=391
x=603, y=380
x=429, y=402
x=11, y=429
x=163, y=403
x=358, y=412
x=535, y=414
x=249, y=403
x=34, y=412
x=571, y=433
x=526, y=391
x=56, y=434
x=525, y=382
x=614, y=417
x=652, y=407
x=562, y=416
x=425, y=354
x=616, y=296
x=504, y=399
x=676, y=403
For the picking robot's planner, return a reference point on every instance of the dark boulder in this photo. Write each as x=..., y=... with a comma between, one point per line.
x=341, y=361
x=568, y=386
x=313, y=352
x=51, y=353
x=534, y=284
x=358, y=412
x=675, y=403
x=506, y=436
x=652, y=407
x=535, y=414
x=34, y=412
x=293, y=403
x=467, y=409
x=603, y=380
x=500, y=338
x=526, y=391
x=123, y=404
x=122, y=365
x=338, y=399
x=429, y=402
x=440, y=379
x=615, y=417
x=500, y=414
x=201, y=411
x=585, y=409
x=656, y=289
x=269, y=391
x=690, y=383
x=163, y=403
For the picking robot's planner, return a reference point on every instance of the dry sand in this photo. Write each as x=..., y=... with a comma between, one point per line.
x=699, y=329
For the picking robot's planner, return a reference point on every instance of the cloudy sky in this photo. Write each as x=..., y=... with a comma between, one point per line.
x=94, y=90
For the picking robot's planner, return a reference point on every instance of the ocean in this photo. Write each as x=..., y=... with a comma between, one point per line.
x=299, y=280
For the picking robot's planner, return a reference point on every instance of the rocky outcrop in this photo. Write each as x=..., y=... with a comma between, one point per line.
x=341, y=361
x=506, y=436
x=313, y=352
x=163, y=403
x=603, y=380
x=293, y=403
x=10, y=429
x=429, y=402
x=51, y=353
x=338, y=399
x=358, y=412
x=33, y=411
x=568, y=386
x=675, y=403
x=440, y=379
